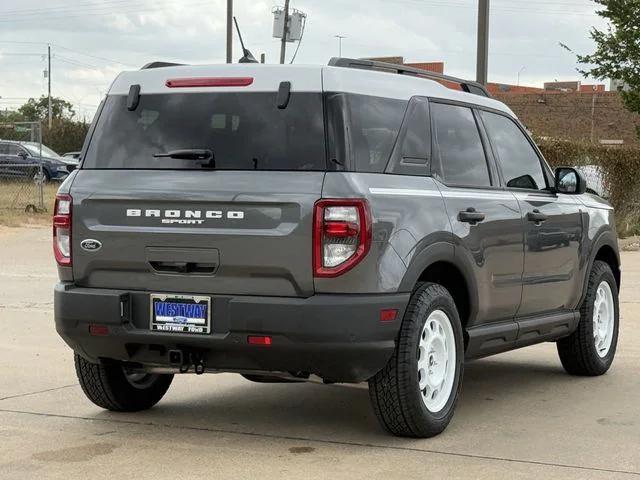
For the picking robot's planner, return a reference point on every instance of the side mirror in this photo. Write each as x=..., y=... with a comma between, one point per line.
x=570, y=181
x=22, y=154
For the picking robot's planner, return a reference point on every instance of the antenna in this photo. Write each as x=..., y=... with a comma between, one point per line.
x=247, y=57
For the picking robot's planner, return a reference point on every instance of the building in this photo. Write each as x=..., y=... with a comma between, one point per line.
x=569, y=110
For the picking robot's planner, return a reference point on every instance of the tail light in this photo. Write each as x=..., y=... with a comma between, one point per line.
x=341, y=236
x=62, y=230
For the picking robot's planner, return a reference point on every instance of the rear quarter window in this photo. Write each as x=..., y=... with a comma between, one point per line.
x=363, y=130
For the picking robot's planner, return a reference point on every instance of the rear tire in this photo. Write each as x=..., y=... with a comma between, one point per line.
x=109, y=386
x=589, y=351
x=415, y=394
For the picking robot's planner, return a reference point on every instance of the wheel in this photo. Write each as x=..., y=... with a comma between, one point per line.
x=589, y=351
x=112, y=387
x=415, y=394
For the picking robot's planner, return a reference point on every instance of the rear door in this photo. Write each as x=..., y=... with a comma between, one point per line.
x=239, y=222
x=553, y=225
x=485, y=220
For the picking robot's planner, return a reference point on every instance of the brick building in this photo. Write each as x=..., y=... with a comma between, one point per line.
x=567, y=110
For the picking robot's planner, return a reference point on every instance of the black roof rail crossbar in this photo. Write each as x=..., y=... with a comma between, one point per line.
x=160, y=65
x=466, y=85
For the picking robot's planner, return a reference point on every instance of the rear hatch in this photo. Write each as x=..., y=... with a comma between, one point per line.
x=234, y=220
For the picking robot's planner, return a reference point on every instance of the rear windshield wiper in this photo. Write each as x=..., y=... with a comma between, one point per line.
x=186, y=154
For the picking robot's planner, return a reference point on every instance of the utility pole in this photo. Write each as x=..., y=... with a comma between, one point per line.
x=340, y=37
x=482, y=62
x=49, y=81
x=229, y=31
x=285, y=32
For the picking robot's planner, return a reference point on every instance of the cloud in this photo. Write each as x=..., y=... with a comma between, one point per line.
x=193, y=31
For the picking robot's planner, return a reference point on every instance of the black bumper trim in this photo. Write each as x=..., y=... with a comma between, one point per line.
x=338, y=337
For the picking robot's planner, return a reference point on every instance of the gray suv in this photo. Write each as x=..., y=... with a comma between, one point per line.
x=352, y=222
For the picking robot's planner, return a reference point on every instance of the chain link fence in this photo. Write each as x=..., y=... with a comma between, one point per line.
x=22, y=176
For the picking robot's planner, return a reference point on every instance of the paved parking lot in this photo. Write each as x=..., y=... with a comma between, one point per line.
x=519, y=416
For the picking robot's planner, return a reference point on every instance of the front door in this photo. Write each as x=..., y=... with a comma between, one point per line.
x=485, y=220
x=552, y=222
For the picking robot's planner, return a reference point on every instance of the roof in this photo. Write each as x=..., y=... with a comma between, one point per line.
x=303, y=78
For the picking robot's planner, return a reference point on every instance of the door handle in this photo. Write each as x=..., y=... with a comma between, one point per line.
x=537, y=216
x=470, y=216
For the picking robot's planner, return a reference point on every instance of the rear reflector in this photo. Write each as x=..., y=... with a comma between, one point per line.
x=98, y=330
x=259, y=340
x=388, y=315
x=209, y=82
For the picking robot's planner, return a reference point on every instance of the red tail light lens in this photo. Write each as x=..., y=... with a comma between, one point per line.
x=341, y=236
x=209, y=82
x=62, y=230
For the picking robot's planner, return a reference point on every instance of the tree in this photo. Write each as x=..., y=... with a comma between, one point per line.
x=617, y=54
x=35, y=110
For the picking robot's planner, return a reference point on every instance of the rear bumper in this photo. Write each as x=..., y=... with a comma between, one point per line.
x=338, y=337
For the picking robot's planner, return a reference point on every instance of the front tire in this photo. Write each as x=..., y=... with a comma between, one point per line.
x=589, y=351
x=415, y=394
x=111, y=387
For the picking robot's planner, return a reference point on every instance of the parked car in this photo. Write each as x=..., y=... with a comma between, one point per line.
x=72, y=157
x=23, y=159
x=354, y=222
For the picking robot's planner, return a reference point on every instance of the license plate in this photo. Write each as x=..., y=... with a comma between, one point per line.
x=180, y=314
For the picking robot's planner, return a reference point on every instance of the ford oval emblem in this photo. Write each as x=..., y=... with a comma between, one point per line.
x=91, y=245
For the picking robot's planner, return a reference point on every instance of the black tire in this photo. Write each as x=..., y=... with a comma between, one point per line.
x=108, y=387
x=578, y=352
x=395, y=392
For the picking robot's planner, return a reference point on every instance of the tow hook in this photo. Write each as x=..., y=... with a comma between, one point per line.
x=199, y=367
x=186, y=360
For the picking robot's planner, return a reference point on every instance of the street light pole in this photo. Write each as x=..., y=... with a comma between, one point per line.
x=285, y=32
x=340, y=37
x=482, y=62
x=229, y=31
x=49, y=83
x=519, y=72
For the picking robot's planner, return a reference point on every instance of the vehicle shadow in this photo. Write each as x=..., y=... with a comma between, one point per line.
x=231, y=403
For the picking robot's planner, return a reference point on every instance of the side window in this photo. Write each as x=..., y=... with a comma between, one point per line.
x=4, y=149
x=14, y=150
x=519, y=162
x=410, y=155
x=459, y=157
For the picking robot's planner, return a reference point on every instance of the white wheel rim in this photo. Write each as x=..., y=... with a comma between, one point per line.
x=436, y=361
x=603, y=319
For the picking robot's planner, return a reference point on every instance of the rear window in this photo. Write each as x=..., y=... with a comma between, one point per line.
x=245, y=131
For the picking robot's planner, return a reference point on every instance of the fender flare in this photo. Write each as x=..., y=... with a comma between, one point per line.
x=440, y=252
x=604, y=238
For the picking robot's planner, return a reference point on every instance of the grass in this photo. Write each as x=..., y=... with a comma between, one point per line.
x=16, y=196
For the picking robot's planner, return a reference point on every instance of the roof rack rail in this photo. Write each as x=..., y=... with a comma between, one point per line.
x=466, y=85
x=160, y=65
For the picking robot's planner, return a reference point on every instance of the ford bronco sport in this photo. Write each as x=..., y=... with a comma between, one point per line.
x=353, y=222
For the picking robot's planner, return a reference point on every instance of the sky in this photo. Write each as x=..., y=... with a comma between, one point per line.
x=93, y=40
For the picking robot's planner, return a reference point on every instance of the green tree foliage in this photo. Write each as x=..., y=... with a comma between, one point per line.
x=38, y=109
x=65, y=135
x=617, y=53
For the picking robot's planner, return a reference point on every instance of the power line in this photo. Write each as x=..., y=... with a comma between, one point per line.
x=64, y=16
x=65, y=48
x=91, y=55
